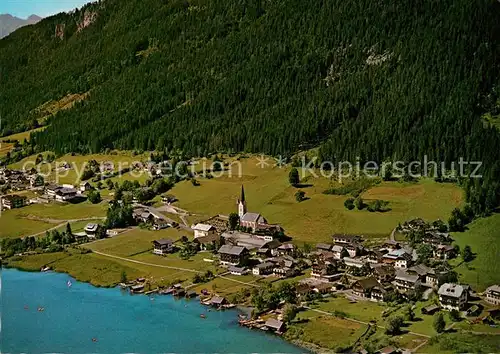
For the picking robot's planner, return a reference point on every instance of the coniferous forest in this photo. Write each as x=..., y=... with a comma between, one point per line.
x=377, y=80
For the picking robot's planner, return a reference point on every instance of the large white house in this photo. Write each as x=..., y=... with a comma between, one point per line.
x=453, y=296
x=203, y=230
x=493, y=294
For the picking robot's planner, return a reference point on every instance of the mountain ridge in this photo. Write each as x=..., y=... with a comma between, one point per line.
x=10, y=23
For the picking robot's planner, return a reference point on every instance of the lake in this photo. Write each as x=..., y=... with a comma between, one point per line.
x=121, y=323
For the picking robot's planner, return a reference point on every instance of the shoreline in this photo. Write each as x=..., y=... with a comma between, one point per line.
x=238, y=309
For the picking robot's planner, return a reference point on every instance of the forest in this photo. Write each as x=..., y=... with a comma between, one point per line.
x=377, y=80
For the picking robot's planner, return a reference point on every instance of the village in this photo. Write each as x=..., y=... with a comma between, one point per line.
x=408, y=268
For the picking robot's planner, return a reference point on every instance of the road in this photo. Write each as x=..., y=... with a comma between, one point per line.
x=169, y=267
x=159, y=215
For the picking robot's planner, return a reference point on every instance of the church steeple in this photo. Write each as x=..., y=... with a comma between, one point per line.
x=242, y=199
x=242, y=205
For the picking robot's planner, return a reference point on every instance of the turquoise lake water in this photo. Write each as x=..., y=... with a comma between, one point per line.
x=122, y=323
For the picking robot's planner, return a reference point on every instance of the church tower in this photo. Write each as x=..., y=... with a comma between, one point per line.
x=242, y=204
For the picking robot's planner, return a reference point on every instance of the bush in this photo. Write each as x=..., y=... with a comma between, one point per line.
x=349, y=203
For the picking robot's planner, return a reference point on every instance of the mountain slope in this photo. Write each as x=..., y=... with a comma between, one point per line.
x=374, y=79
x=9, y=23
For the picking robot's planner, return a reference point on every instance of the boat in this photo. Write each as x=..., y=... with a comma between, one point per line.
x=203, y=316
x=94, y=339
x=69, y=283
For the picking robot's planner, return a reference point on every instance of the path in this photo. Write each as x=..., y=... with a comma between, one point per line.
x=169, y=267
x=361, y=322
x=159, y=215
x=63, y=223
x=392, y=234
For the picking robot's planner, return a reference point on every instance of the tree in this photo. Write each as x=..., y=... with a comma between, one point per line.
x=123, y=278
x=393, y=325
x=409, y=314
x=293, y=177
x=289, y=313
x=184, y=239
x=455, y=315
x=439, y=322
x=467, y=254
x=234, y=220
x=109, y=184
x=286, y=292
x=424, y=253
x=94, y=197
x=68, y=229
x=349, y=203
x=359, y=203
x=98, y=185
x=300, y=196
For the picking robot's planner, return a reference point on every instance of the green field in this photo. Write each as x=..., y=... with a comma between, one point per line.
x=483, y=236
x=327, y=332
x=120, y=161
x=36, y=218
x=13, y=225
x=268, y=192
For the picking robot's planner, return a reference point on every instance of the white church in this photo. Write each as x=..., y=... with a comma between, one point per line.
x=254, y=221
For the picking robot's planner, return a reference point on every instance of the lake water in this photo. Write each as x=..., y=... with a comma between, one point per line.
x=120, y=322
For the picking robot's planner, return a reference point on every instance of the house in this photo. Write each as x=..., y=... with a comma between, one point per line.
x=323, y=247
x=286, y=249
x=399, y=258
x=91, y=230
x=207, y=242
x=275, y=325
x=85, y=187
x=492, y=294
x=143, y=216
x=160, y=225
x=405, y=282
x=363, y=287
x=444, y=252
x=284, y=272
x=391, y=245
x=453, y=296
x=284, y=268
x=323, y=270
x=384, y=273
x=426, y=274
x=374, y=256
x=263, y=268
x=163, y=246
x=36, y=180
x=339, y=252
x=203, y=230
x=61, y=193
x=378, y=293
x=323, y=288
x=232, y=255
x=431, y=309
x=353, y=249
x=353, y=262
x=218, y=301
x=343, y=239
x=13, y=201
x=237, y=270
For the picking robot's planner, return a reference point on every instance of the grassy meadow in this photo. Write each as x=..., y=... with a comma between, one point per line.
x=483, y=236
x=268, y=192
